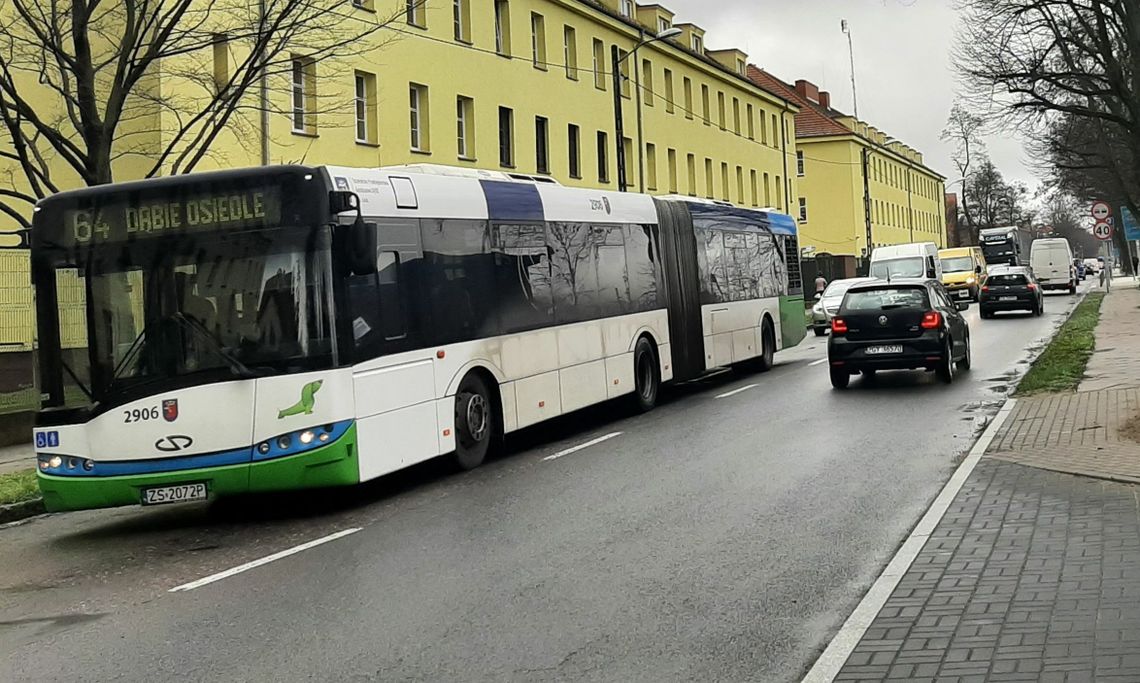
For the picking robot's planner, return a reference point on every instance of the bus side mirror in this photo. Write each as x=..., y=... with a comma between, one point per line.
x=362, y=244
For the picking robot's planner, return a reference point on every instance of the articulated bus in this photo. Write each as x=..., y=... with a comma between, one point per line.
x=287, y=327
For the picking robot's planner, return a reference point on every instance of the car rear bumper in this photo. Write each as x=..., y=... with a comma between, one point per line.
x=918, y=352
x=1021, y=304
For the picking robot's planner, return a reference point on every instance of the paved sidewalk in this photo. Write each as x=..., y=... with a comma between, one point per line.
x=1033, y=574
x=16, y=458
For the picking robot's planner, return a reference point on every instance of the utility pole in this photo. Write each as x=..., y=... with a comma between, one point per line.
x=619, y=127
x=851, y=53
x=263, y=85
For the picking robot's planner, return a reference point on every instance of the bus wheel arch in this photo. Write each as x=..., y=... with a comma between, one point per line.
x=646, y=372
x=767, y=343
x=478, y=417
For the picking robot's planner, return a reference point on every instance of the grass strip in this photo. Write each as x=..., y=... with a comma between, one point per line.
x=17, y=487
x=1061, y=365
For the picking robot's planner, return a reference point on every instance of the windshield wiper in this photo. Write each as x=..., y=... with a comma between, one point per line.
x=239, y=368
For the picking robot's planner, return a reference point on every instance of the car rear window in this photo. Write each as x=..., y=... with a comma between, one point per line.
x=887, y=298
x=1007, y=279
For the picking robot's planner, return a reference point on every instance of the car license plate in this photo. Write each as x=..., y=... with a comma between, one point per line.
x=1007, y=298
x=964, y=293
x=182, y=493
x=880, y=350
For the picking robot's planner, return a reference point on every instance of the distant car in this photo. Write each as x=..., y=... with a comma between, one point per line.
x=1011, y=288
x=828, y=304
x=1092, y=266
x=898, y=325
x=1079, y=265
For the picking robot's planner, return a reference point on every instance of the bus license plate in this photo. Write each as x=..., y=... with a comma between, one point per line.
x=880, y=350
x=182, y=493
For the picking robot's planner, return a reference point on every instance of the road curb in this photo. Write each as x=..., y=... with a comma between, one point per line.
x=13, y=512
x=829, y=664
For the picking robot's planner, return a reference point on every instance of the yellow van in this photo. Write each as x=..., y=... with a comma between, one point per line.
x=963, y=269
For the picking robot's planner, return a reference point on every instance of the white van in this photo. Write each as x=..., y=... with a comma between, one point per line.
x=915, y=260
x=1052, y=262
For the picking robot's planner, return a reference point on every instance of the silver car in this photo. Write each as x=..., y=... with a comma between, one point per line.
x=826, y=305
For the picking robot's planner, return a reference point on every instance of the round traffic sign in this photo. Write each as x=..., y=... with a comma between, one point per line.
x=1101, y=211
x=1102, y=231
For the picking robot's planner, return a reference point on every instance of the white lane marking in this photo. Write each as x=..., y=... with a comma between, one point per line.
x=821, y=361
x=839, y=649
x=734, y=392
x=265, y=560
x=575, y=449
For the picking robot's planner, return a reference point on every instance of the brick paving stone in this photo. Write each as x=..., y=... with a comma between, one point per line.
x=1042, y=583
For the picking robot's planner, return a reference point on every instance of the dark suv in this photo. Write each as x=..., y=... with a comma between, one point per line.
x=898, y=325
x=1012, y=288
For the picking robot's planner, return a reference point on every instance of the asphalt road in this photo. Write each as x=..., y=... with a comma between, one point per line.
x=720, y=537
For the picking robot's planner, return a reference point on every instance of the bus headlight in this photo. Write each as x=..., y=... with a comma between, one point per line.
x=88, y=465
x=263, y=447
x=307, y=437
x=54, y=461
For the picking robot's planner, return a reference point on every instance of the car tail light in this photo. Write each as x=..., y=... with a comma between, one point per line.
x=1032, y=287
x=838, y=326
x=985, y=288
x=931, y=320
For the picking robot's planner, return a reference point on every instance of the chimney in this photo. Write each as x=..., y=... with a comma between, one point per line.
x=825, y=99
x=807, y=90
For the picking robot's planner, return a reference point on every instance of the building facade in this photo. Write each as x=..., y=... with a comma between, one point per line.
x=858, y=189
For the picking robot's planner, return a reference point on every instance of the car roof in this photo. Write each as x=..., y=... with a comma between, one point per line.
x=872, y=284
x=1008, y=270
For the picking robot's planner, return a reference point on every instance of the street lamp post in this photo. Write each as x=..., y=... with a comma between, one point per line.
x=619, y=129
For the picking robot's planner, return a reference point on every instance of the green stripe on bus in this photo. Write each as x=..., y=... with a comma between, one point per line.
x=792, y=327
x=336, y=464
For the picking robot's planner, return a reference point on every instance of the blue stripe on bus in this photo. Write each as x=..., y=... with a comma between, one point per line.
x=238, y=456
x=512, y=201
x=778, y=223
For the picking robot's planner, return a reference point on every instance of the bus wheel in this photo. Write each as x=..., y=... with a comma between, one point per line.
x=768, y=339
x=646, y=375
x=476, y=422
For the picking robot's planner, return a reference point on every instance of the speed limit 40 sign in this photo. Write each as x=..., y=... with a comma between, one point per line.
x=1102, y=230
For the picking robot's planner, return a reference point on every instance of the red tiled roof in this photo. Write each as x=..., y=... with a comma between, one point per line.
x=813, y=120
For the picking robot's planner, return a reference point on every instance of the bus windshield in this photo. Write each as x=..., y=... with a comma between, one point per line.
x=154, y=313
x=900, y=267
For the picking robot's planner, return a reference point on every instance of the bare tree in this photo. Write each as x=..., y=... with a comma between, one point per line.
x=964, y=128
x=87, y=83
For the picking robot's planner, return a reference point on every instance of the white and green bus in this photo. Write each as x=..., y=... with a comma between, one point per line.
x=286, y=327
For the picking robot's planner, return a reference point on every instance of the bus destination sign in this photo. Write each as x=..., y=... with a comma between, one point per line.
x=118, y=221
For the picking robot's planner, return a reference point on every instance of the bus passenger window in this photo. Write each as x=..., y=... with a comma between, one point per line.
x=391, y=307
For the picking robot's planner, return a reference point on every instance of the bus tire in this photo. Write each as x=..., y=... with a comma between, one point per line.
x=646, y=375
x=768, y=343
x=476, y=421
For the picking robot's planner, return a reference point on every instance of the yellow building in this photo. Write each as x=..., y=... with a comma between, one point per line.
x=854, y=181
x=517, y=85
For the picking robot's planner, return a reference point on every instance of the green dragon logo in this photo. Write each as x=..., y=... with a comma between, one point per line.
x=305, y=405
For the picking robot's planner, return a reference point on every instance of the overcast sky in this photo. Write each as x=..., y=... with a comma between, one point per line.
x=903, y=73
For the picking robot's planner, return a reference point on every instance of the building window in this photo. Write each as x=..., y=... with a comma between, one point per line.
x=647, y=82
x=767, y=191
x=775, y=133
x=803, y=209
x=627, y=148
x=706, y=108
x=221, y=49
x=669, y=107
x=502, y=27
x=542, y=144
x=538, y=40
x=418, y=99
x=364, y=5
x=506, y=137
x=763, y=127
x=626, y=7
x=800, y=163
x=461, y=17
x=465, y=127
x=724, y=181
x=697, y=44
x=722, y=119
x=570, y=52
x=603, y=157
x=691, y=171
x=599, y=64
x=741, y=67
x=779, y=194
x=415, y=14
x=740, y=185
x=663, y=25
x=736, y=115
x=751, y=114
x=304, y=95
x=365, y=107
x=687, y=88
x=671, y=158
x=650, y=166
x=709, y=190
x=623, y=67
x=755, y=196
x=574, y=142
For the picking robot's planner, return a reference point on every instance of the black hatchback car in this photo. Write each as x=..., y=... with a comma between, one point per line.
x=898, y=325
x=1012, y=288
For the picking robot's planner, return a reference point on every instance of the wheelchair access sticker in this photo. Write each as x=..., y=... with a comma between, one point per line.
x=47, y=439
